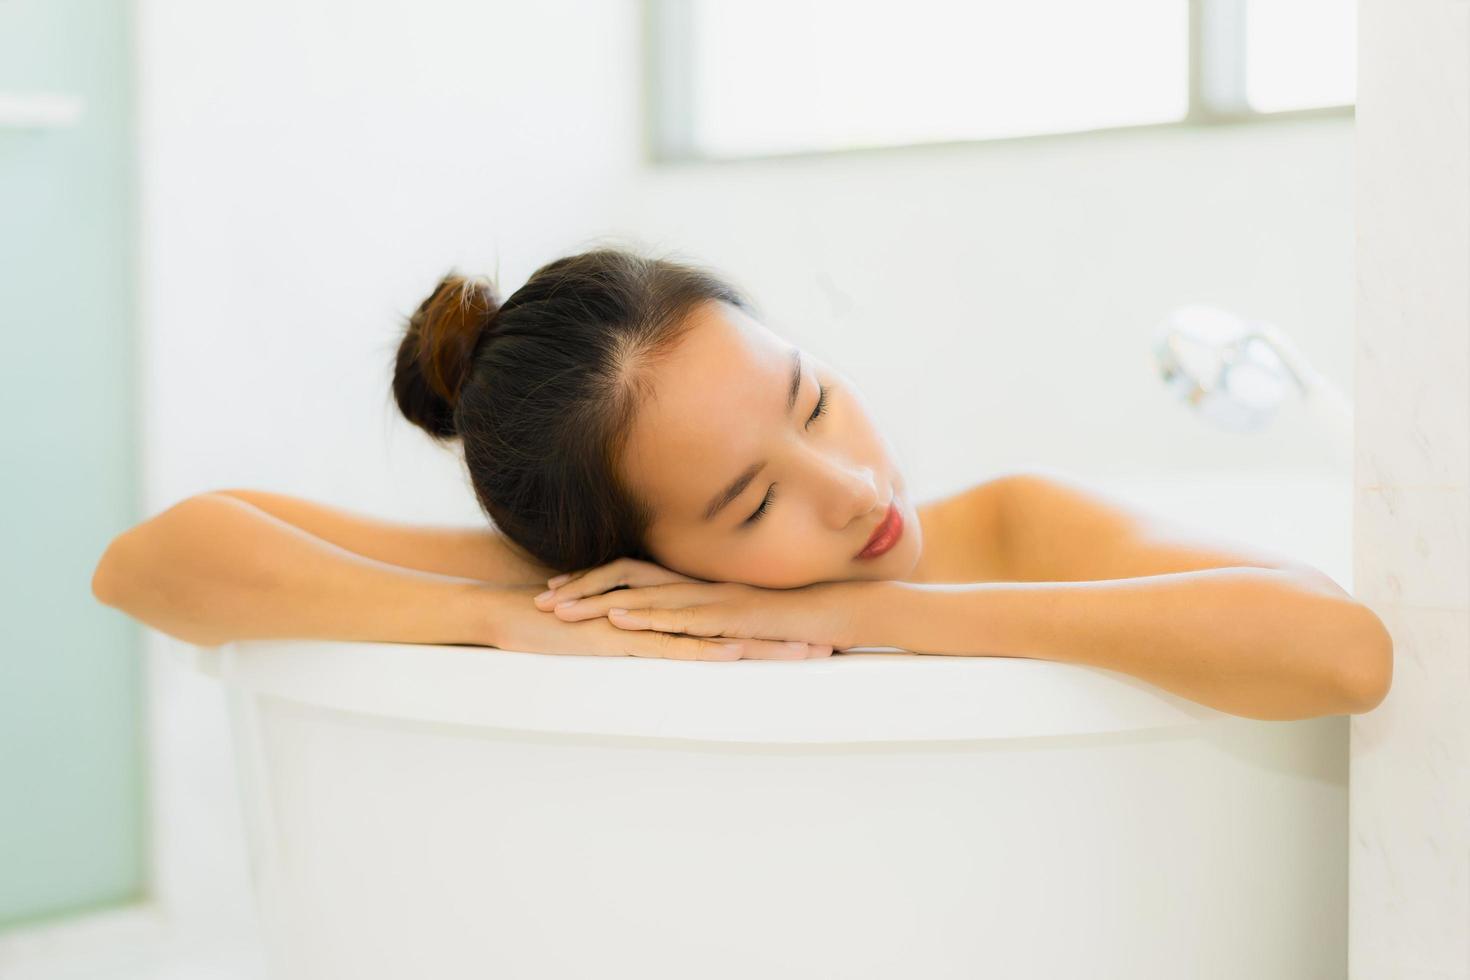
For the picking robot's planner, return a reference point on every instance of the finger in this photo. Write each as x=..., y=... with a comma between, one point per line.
x=650, y=596
x=669, y=646
x=690, y=620
x=664, y=622
x=674, y=646
x=574, y=585
x=697, y=621
x=547, y=599
x=622, y=573
x=777, y=650
x=680, y=647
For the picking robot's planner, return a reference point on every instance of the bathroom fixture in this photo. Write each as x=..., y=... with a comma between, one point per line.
x=1236, y=372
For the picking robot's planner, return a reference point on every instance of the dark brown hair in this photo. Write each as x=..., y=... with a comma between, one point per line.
x=541, y=390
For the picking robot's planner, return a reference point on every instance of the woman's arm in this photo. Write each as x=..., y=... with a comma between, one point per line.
x=1256, y=642
x=1089, y=579
x=213, y=568
x=1084, y=580
x=1267, y=643
x=481, y=553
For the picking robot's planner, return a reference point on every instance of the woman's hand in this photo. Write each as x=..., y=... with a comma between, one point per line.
x=822, y=614
x=622, y=573
x=519, y=625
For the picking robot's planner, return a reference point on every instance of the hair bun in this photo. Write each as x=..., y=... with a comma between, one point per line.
x=437, y=351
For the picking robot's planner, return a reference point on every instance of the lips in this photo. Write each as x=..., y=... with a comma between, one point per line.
x=886, y=535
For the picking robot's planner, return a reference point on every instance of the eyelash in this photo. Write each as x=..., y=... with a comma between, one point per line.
x=820, y=410
x=821, y=406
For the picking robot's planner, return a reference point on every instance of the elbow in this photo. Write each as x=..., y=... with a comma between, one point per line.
x=120, y=580
x=109, y=575
x=1367, y=674
x=126, y=561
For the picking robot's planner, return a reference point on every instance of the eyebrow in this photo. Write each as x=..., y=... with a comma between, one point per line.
x=737, y=486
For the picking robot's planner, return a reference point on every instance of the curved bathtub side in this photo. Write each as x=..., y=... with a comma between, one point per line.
x=388, y=847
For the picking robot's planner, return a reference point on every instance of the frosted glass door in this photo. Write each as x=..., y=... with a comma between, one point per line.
x=71, y=769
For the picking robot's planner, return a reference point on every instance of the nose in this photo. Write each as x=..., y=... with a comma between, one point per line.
x=852, y=494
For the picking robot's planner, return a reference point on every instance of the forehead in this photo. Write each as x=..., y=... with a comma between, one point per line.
x=711, y=399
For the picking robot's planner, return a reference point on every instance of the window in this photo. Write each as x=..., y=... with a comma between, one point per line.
x=771, y=77
x=1300, y=53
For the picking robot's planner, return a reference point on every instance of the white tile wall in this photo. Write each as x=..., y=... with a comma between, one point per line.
x=1409, y=862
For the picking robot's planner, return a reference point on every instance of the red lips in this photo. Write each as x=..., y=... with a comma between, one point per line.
x=886, y=535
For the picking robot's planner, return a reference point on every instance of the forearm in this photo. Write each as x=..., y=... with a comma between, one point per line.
x=1261, y=643
x=482, y=553
x=213, y=569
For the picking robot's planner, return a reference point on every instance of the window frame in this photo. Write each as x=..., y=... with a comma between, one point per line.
x=1217, y=90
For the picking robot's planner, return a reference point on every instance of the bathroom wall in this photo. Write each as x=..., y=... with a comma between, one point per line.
x=1409, y=878
x=309, y=170
x=1003, y=296
x=312, y=166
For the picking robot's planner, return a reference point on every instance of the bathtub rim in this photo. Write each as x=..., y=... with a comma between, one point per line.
x=878, y=695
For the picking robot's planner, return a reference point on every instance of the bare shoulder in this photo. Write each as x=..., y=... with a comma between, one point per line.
x=1055, y=527
x=962, y=534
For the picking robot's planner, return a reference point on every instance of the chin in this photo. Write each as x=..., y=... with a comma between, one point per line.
x=906, y=568
x=895, y=564
x=900, y=566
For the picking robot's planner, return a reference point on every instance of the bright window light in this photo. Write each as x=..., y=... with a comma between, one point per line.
x=1300, y=54
x=780, y=76
x=752, y=78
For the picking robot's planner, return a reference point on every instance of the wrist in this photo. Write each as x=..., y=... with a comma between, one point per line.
x=872, y=610
x=477, y=612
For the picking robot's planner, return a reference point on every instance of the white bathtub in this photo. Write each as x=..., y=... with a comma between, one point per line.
x=454, y=812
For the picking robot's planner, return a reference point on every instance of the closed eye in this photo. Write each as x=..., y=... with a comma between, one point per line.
x=765, y=503
x=817, y=413
x=821, y=408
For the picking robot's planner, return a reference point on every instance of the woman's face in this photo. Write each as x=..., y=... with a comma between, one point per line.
x=750, y=487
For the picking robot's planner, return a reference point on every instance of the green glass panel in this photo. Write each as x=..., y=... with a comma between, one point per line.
x=72, y=794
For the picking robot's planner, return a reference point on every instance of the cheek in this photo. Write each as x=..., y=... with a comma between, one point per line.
x=795, y=556
x=784, y=553
x=785, y=559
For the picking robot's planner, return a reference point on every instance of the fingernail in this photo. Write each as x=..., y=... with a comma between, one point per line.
x=566, y=602
x=546, y=595
x=734, y=648
x=558, y=579
x=796, y=644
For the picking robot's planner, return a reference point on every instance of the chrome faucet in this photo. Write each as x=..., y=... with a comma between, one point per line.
x=1236, y=372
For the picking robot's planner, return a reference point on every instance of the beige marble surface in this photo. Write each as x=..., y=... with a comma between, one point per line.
x=1409, y=862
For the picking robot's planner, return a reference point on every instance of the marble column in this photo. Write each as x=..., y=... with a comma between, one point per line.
x=1409, y=792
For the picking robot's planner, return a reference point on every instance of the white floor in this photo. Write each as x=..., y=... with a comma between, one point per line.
x=131, y=943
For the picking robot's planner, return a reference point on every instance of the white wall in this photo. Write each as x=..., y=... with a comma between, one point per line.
x=996, y=302
x=1409, y=874
x=311, y=167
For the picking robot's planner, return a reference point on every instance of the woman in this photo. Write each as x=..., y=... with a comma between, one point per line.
x=687, y=484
